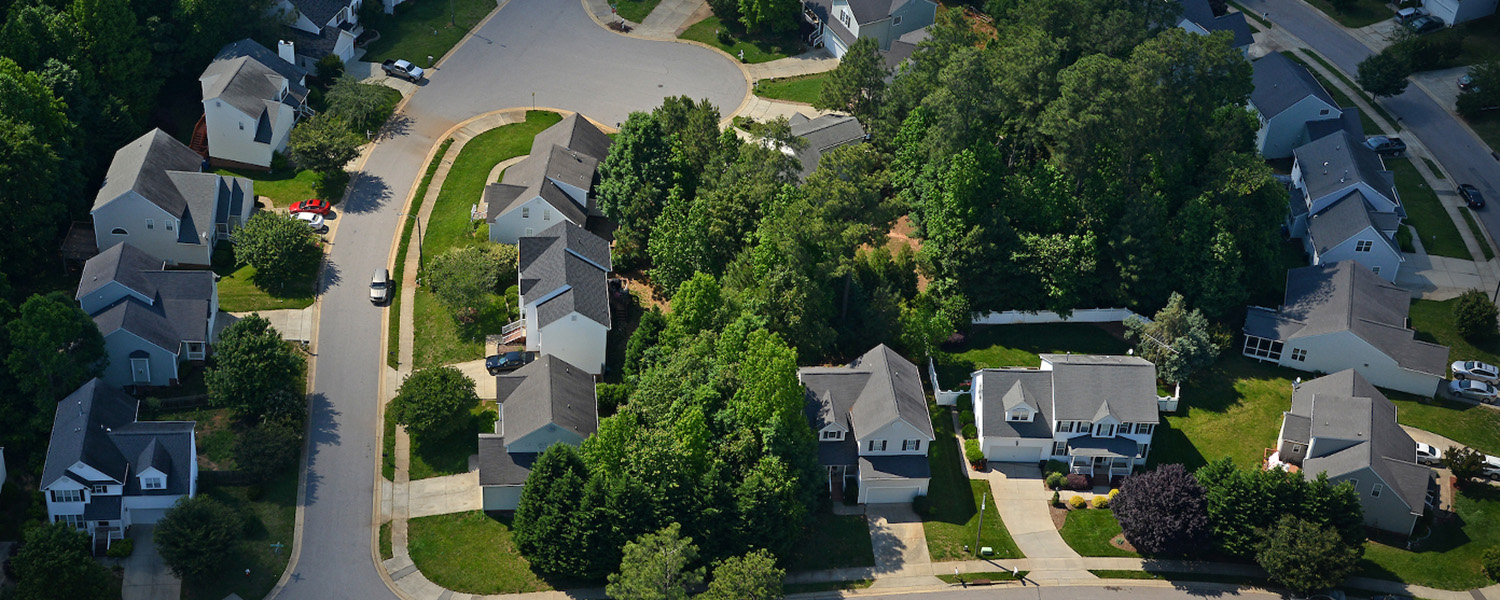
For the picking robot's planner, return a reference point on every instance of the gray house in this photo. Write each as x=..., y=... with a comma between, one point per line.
x=872, y=424
x=823, y=134
x=152, y=319
x=106, y=471
x=1344, y=204
x=1198, y=17
x=837, y=24
x=1341, y=425
x=564, y=296
x=543, y=403
x=1286, y=98
x=554, y=184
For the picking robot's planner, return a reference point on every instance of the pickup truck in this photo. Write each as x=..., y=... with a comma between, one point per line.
x=1386, y=146
x=402, y=69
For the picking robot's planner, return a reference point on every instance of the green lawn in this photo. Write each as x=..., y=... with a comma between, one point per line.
x=757, y=48
x=955, y=511
x=1233, y=409
x=386, y=551
x=270, y=512
x=282, y=187
x=833, y=542
x=1450, y=558
x=985, y=575
x=1484, y=243
x=450, y=455
x=240, y=292
x=635, y=10
x=1359, y=14
x=1480, y=39
x=1488, y=128
x=1462, y=422
x=803, y=88
x=1432, y=166
x=471, y=553
x=393, y=320
x=441, y=339
x=1018, y=346
x=1090, y=532
x=1425, y=212
x=421, y=29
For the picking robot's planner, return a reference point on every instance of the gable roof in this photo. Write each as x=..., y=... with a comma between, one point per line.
x=999, y=383
x=1346, y=296
x=1086, y=387
x=570, y=265
x=1280, y=83
x=867, y=11
x=548, y=391
x=568, y=152
x=166, y=173
x=1201, y=14
x=250, y=78
x=823, y=134
x=878, y=388
x=179, y=300
x=263, y=55
x=319, y=11
x=96, y=425
x=1345, y=218
x=1336, y=161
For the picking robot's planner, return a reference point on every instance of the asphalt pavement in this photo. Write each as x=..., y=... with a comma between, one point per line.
x=1166, y=592
x=545, y=53
x=1465, y=157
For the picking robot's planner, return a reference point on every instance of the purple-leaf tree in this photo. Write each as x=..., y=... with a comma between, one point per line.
x=1163, y=512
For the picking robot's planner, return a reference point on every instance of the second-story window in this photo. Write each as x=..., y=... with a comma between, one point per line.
x=1065, y=427
x=911, y=445
x=877, y=445
x=1363, y=245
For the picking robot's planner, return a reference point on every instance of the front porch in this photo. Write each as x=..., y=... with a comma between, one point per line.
x=1101, y=457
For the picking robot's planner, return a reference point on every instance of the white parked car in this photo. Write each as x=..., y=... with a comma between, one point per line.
x=1473, y=369
x=380, y=287
x=1473, y=390
x=1428, y=455
x=1492, y=467
x=313, y=220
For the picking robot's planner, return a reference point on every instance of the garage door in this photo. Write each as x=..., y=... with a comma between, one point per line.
x=144, y=516
x=1007, y=453
x=892, y=495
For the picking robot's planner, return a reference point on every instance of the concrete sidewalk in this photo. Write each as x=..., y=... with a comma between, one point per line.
x=807, y=63
x=295, y=324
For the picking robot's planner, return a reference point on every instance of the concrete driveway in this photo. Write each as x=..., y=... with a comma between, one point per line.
x=146, y=576
x=1022, y=502
x=897, y=537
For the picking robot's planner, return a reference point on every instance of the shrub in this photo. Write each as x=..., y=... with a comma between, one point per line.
x=966, y=402
x=851, y=493
x=277, y=245
x=1056, y=499
x=434, y=402
x=1474, y=315
x=971, y=432
x=1491, y=563
x=972, y=452
x=1078, y=481
x=121, y=549
x=1113, y=493
x=1101, y=502
x=921, y=505
x=723, y=36
x=966, y=417
x=611, y=396
x=1055, y=480
x=1055, y=466
x=1076, y=502
x=329, y=68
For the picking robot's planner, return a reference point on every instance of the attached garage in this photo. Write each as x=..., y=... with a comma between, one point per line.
x=890, y=495
x=1012, y=450
x=500, y=497
x=890, y=479
x=146, y=516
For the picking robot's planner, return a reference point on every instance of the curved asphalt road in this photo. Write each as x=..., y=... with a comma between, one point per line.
x=1186, y=592
x=547, y=47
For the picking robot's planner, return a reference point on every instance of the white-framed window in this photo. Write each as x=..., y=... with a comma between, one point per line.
x=546, y=215
x=1142, y=450
x=1296, y=448
x=153, y=483
x=1144, y=428
x=1125, y=428
x=529, y=231
x=1375, y=269
x=1065, y=427
x=844, y=16
x=1375, y=491
x=1355, y=483
x=74, y=520
x=1259, y=347
x=877, y=445
x=1018, y=415
x=1322, y=112
x=170, y=227
x=830, y=435
x=1104, y=430
x=525, y=212
x=1363, y=245
x=99, y=490
x=150, y=223
x=1299, y=354
x=1059, y=448
x=911, y=445
x=67, y=495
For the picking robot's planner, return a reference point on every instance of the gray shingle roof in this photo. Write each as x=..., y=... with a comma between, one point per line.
x=866, y=11
x=1116, y=447
x=571, y=263
x=1343, y=219
x=174, y=450
x=1280, y=83
x=142, y=165
x=263, y=55
x=180, y=300
x=1199, y=12
x=1337, y=161
x=103, y=508
x=1348, y=120
x=875, y=390
x=844, y=452
x=568, y=152
x=1087, y=386
x=498, y=467
x=996, y=384
x=96, y=425
x=548, y=391
x=901, y=466
x=823, y=134
x=123, y=263
x=320, y=11
x=250, y=77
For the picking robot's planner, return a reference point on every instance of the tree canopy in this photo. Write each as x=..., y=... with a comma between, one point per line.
x=1163, y=512
x=197, y=535
x=1306, y=557
x=53, y=563
x=434, y=402
x=277, y=245
x=1176, y=340
x=257, y=373
x=656, y=567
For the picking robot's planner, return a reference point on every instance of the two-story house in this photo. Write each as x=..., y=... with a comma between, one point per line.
x=1341, y=316
x=554, y=183
x=251, y=100
x=564, y=296
x=106, y=471
x=872, y=424
x=1341, y=425
x=1097, y=413
x=1343, y=203
x=1198, y=18
x=318, y=28
x=156, y=197
x=152, y=319
x=837, y=24
x=1286, y=98
x=543, y=403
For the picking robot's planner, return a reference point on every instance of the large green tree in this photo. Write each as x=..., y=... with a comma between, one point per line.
x=54, y=348
x=633, y=182
x=278, y=246
x=324, y=143
x=657, y=566
x=256, y=373
x=435, y=402
x=1383, y=75
x=35, y=147
x=857, y=85
x=463, y=278
x=1176, y=339
x=1306, y=557
x=197, y=536
x=769, y=15
x=548, y=520
x=753, y=576
x=54, y=564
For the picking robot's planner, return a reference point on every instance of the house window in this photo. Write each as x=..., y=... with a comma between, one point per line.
x=1375, y=491
x=1259, y=347
x=1355, y=484
x=911, y=445
x=1125, y=428
x=169, y=226
x=67, y=495
x=153, y=483
x=1299, y=354
x=1363, y=245
x=99, y=490
x=1104, y=430
x=877, y=445
x=1141, y=450
x=525, y=213
x=74, y=520
x=546, y=215
x=1375, y=269
x=897, y=20
x=844, y=16
x=1059, y=448
x=1322, y=112
x=119, y=231
x=1296, y=448
x=150, y=224
x=1018, y=415
x=1144, y=428
x=528, y=231
x=830, y=435
x=1065, y=427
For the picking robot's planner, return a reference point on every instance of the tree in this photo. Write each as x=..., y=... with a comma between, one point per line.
x=643, y=339
x=728, y=11
x=857, y=85
x=1176, y=340
x=197, y=535
x=1163, y=512
x=267, y=450
x=55, y=347
x=1484, y=90
x=634, y=180
x=1383, y=75
x=1466, y=464
x=256, y=373
x=324, y=143
x=463, y=278
x=434, y=402
x=1306, y=557
x=753, y=576
x=769, y=15
x=280, y=248
x=1474, y=315
x=655, y=567
x=547, y=523
x=364, y=106
x=330, y=68
x=54, y=564
x=35, y=135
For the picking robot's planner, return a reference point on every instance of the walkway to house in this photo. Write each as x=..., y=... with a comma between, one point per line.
x=817, y=60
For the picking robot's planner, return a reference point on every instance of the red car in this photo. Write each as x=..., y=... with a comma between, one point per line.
x=312, y=205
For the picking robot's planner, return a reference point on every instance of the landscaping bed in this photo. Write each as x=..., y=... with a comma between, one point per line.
x=471, y=553
x=757, y=48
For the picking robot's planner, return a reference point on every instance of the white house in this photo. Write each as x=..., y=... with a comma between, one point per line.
x=1344, y=204
x=1286, y=98
x=152, y=319
x=543, y=403
x=1454, y=12
x=837, y=24
x=872, y=424
x=554, y=183
x=106, y=471
x=564, y=296
x=318, y=28
x=251, y=100
x=1341, y=425
x=1198, y=18
x=1095, y=412
x=156, y=197
x=1341, y=316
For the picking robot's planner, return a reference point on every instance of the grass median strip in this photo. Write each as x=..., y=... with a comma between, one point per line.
x=393, y=322
x=1484, y=244
x=1425, y=212
x=984, y=576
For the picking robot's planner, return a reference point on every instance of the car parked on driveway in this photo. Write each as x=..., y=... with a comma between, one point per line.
x=1386, y=146
x=1405, y=15
x=1492, y=467
x=1473, y=369
x=1471, y=196
x=380, y=287
x=1424, y=24
x=1465, y=82
x=509, y=361
x=313, y=220
x=1428, y=455
x=311, y=205
x=1473, y=390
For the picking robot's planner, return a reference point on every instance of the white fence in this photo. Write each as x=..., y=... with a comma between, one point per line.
x=1085, y=315
x=943, y=397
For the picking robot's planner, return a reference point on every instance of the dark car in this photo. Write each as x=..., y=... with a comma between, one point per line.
x=1424, y=24
x=1471, y=196
x=510, y=361
x=1386, y=146
x=1466, y=81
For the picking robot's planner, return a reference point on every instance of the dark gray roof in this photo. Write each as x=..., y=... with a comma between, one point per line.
x=103, y=508
x=1086, y=387
x=121, y=263
x=1280, y=83
x=1346, y=296
x=1337, y=161
x=822, y=408
x=570, y=262
x=903, y=47
x=263, y=55
x=142, y=166
x=1296, y=428
x=574, y=133
x=548, y=392
x=1342, y=220
x=823, y=134
x=568, y=152
x=312, y=45
x=1199, y=12
x=250, y=78
x=843, y=452
x=96, y=425
x=901, y=466
x=179, y=305
x=876, y=389
x=498, y=467
x=867, y=11
x=1348, y=120
x=1114, y=447
x=499, y=197
x=320, y=11
x=996, y=384
x=174, y=450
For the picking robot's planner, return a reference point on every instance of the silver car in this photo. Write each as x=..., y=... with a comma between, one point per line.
x=1473, y=390
x=380, y=287
x=1428, y=455
x=1492, y=467
x=1473, y=369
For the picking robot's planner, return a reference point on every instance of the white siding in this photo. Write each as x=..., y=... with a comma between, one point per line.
x=892, y=434
x=231, y=133
x=1454, y=12
x=575, y=338
x=1382, y=259
x=130, y=212
x=509, y=227
x=1334, y=352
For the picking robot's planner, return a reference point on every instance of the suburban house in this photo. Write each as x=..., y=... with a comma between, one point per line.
x=904, y=46
x=1341, y=425
x=2, y=466
x=1341, y=316
x=106, y=471
x=872, y=424
x=1285, y=99
x=1198, y=17
x=318, y=28
x=555, y=183
x=564, y=296
x=152, y=319
x=823, y=134
x=1096, y=413
x=251, y=99
x=837, y=24
x=543, y=403
x=1343, y=203
x=1454, y=12
x=156, y=197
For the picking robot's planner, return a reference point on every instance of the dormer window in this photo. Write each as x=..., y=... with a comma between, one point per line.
x=99, y=490
x=1019, y=415
x=153, y=483
x=832, y=435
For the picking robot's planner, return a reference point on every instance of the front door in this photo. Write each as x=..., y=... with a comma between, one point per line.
x=1101, y=464
x=140, y=370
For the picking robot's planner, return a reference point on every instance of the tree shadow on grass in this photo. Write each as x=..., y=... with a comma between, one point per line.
x=449, y=455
